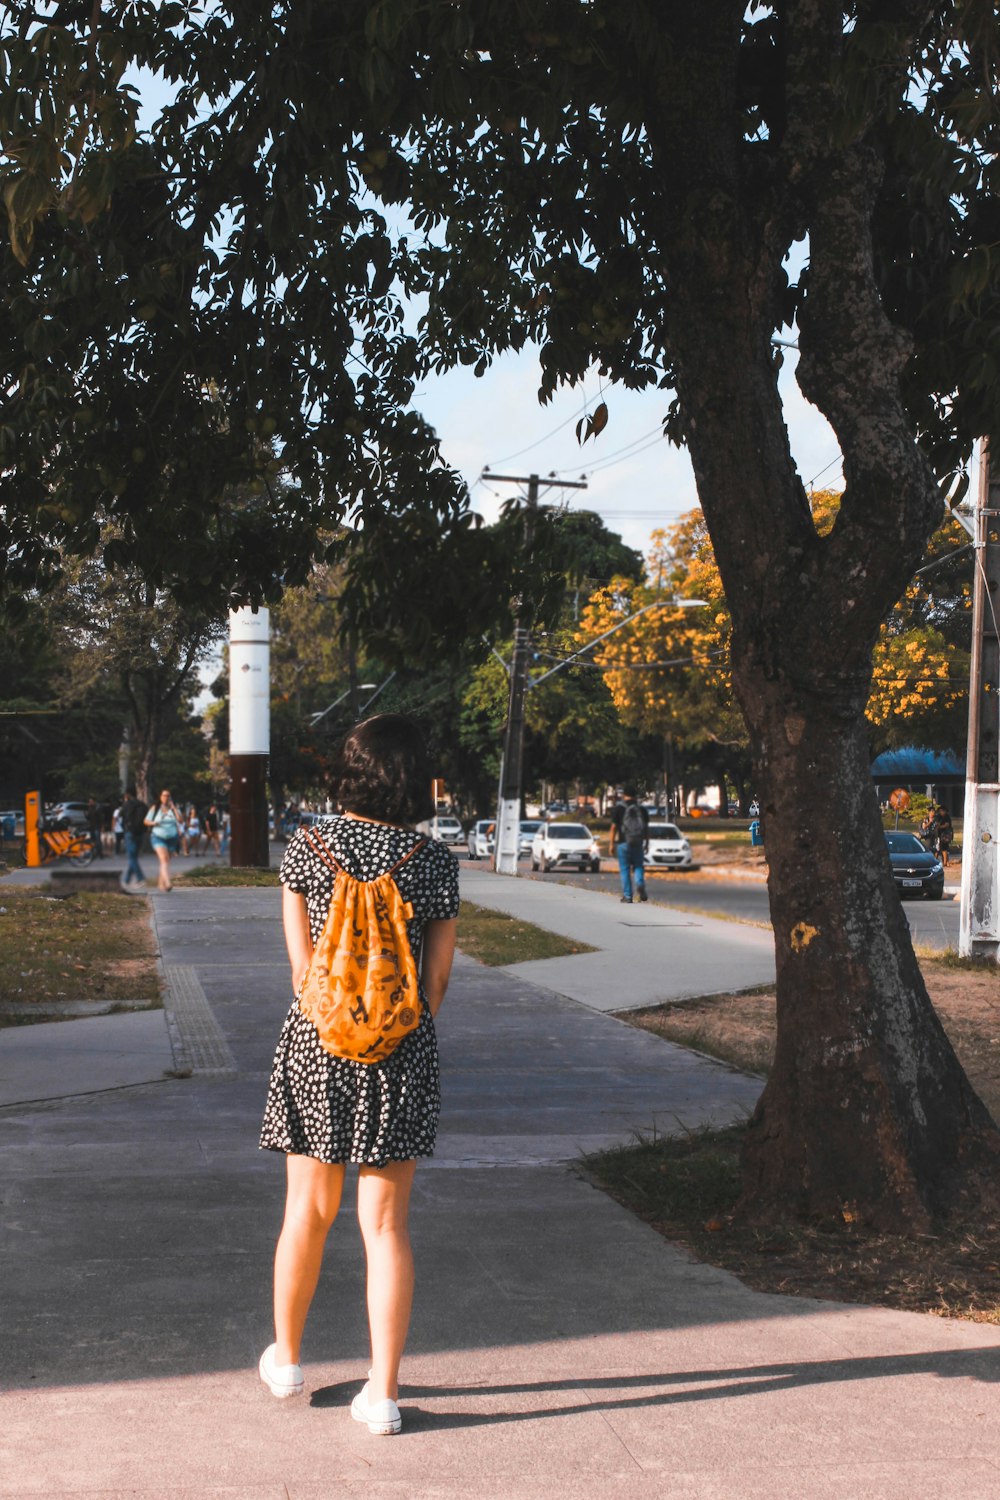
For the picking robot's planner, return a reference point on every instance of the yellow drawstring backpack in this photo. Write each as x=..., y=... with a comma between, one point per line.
x=361, y=990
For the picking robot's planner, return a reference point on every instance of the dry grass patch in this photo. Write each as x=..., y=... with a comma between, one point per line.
x=740, y=1029
x=687, y=1188
x=90, y=946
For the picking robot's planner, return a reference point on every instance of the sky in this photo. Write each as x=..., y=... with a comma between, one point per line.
x=636, y=480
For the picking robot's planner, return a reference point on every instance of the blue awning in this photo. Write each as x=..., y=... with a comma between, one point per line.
x=913, y=764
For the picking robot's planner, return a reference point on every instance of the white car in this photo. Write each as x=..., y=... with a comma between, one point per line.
x=559, y=845
x=529, y=827
x=73, y=814
x=667, y=846
x=482, y=838
x=444, y=827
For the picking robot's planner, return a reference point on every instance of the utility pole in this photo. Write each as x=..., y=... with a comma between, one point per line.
x=511, y=774
x=979, y=933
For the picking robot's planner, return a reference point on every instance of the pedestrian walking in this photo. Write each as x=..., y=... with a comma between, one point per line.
x=192, y=832
x=211, y=826
x=944, y=831
x=164, y=822
x=630, y=833
x=133, y=816
x=117, y=828
x=325, y=1110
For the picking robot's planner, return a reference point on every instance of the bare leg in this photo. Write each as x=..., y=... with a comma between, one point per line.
x=311, y=1203
x=163, y=855
x=383, y=1212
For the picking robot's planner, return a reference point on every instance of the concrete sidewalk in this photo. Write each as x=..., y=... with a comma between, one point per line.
x=646, y=954
x=558, y=1346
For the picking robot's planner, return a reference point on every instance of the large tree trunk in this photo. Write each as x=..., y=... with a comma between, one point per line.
x=867, y=1105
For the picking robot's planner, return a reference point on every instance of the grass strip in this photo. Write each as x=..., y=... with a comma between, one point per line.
x=494, y=938
x=687, y=1187
x=223, y=875
x=91, y=946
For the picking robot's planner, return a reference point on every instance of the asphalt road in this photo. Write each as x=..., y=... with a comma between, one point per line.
x=933, y=924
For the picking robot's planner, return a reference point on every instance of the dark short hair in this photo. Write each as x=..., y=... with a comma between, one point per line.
x=383, y=771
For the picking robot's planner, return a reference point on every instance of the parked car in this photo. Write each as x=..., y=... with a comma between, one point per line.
x=552, y=809
x=529, y=827
x=444, y=826
x=916, y=871
x=556, y=845
x=482, y=837
x=310, y=819
x=667, y=846
x=73, y=814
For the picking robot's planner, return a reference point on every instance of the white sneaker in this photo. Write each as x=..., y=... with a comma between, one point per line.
x=382, y=1417
x=281, y=1380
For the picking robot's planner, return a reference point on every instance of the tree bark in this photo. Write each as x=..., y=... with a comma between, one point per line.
x=866, y=1108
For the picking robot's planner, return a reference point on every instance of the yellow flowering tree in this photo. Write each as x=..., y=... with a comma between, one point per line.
x=668, y=670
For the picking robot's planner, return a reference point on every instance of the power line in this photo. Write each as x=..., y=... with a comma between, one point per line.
x=609, y=459
x=838, y=460
x=538, y=441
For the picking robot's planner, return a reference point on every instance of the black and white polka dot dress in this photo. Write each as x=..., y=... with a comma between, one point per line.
x=329, y=1107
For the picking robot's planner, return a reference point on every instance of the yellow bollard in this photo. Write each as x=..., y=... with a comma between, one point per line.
x=32, y=845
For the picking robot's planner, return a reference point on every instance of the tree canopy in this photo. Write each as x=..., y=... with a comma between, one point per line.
x=335, y=201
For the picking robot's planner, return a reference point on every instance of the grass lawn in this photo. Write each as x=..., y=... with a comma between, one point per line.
x=687, y=1187
x=222, y=875
x=89, y=946
x=494, y=938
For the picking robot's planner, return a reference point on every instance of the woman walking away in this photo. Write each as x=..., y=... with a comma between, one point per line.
x=164, y=822
x=192, y=833
x=323, y=1109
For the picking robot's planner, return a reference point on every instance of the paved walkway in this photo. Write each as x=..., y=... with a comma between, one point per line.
x=645, y=953
x=558, y=1345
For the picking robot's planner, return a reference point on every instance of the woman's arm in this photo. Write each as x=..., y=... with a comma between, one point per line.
x=298, y=940
x=436, y=959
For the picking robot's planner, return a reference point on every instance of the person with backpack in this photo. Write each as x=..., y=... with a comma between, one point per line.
x=133, y=828
x=369, y=910
x=630, y=824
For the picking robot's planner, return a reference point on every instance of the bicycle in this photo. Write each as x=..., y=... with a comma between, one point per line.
x=59, y=842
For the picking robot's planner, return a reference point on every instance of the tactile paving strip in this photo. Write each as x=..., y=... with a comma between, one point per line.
x=198, y=1045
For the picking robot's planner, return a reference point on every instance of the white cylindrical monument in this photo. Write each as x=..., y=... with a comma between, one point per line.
x=249, y=734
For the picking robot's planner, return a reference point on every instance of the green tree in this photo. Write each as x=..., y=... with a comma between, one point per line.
x=623, y=183
x=133, y=649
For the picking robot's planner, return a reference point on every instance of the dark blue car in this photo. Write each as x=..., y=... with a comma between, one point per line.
x=916, y=871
